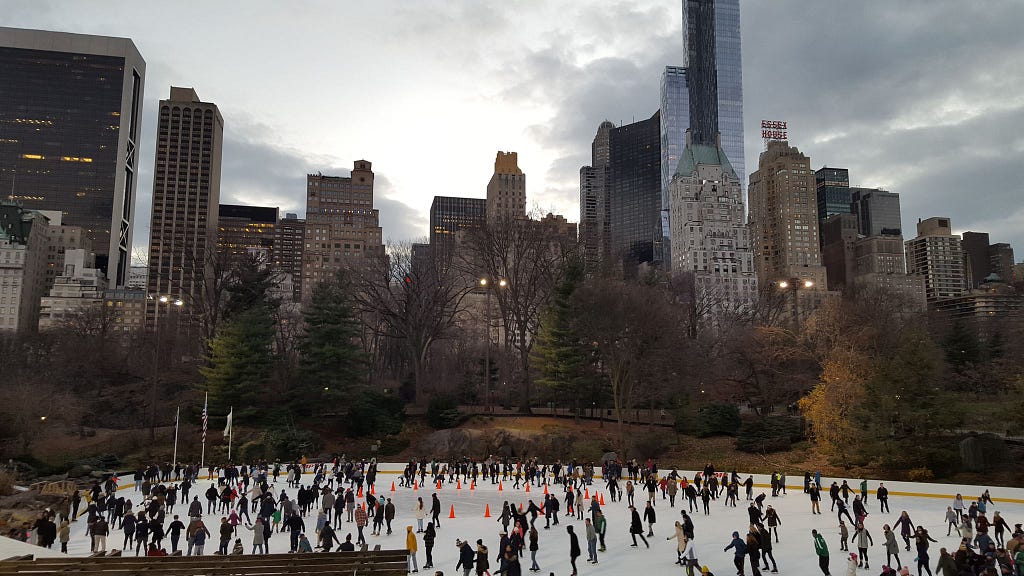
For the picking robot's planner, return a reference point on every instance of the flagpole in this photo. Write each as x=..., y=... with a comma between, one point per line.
x=202, y=458
x=177, y=418
x=231, y=431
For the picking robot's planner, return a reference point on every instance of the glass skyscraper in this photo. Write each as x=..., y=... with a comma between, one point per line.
x=634, y=190
x=704, y=95
x=70, y=116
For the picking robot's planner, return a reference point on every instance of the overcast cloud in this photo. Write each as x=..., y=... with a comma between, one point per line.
x=921, y=97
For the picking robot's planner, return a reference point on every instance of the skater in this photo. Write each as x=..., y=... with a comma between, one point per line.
x=844, y=536
x=466, y=556
x=482, y=562
x=906, y=528
x=680, y=537
x=601, y=526
x=574, y=547
x=952, y=521
x=892, y=548
x=754, y=552
x=650, y=518
x=636, y=528
x=821, y=549
x=534, y=537
x=922, y=539
x=411, y=547
x=435, y=511
x=773, y=520
x=766, y=548
x=739, y=547
x=429, y=536
x=863, y=540
x=591, y=534
x=882, y=495
x=815, y=495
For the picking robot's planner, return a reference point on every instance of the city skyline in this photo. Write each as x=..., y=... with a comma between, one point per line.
x=875, y=95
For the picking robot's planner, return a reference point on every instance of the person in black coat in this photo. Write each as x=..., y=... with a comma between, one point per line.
x=636, y=527
x=574, y=542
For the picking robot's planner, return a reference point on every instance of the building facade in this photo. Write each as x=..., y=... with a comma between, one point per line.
x=450, y=215
x=977, y=264
x=877, y=211
x=244, y=232
x=879, y=264
x=342, y=226
x=71, y=111
x=61, y=238
x=710, y=243
x=1000, y=259
x=784, y=217
x=22, y=267
x=936, y=254
x=832, y=193
x=595, y=209
x=78, y=288
x=634, y=191
x=712, y=108
x=186, y=194
x=838, y=236
x=289, y=242
x=506, y=191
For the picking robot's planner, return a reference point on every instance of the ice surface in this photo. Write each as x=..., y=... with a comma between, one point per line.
x=794, y=552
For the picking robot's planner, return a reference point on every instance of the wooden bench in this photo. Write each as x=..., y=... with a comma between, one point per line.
x=382, y=563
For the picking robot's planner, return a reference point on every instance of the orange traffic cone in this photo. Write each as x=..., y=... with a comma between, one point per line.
x=438, y=484
x=527, y=487
x=415, y=486
x=452, y=513
x=586, y=493
x=602, y=499
x=520, y=507
x=359, y=494
x=487, y=511
x=363, y=505
x=499, y=486
x=392, y=485
x=541, y=508
x=372, y=491
x=458, y=484
x=473, y=485
x=545, y=489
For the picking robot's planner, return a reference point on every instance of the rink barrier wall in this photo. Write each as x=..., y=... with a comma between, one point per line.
x=896, y=488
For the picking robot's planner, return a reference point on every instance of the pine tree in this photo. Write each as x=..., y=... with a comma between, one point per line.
x=331, y=358
x=561, y=359
x=239, y=362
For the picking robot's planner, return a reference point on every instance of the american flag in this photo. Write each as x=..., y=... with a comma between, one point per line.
x=205, y=400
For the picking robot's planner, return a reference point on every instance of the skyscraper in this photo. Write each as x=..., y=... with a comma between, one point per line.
x=634, y=190
x=70, y=119
x=832, y=192
x=710, y=243
x=705, y=95
x=506, y=191
x=878, y=212
x=245, y=231
x=977, y=264
x=937, y=255
x=186, y=195
x=342, y=226
x=289, y=239
x=449, y=215
x=784, y=217
x=595, y=209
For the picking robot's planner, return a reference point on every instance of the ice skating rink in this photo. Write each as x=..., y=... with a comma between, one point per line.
x=926, y=504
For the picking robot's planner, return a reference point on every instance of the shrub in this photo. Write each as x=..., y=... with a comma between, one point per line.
x=770, y=434
x=373, y=413
x=651, y=444
x=443, y=412
x=718, y=420
x=391, y=445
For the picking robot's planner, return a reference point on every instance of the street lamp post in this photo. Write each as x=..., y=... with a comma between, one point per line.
x=487, y=285
x=794, y=285
x=156, y=362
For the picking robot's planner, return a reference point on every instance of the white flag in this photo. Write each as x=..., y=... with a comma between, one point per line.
x=227, y=429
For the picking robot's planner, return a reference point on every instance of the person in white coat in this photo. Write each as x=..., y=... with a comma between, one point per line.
x=420, y=511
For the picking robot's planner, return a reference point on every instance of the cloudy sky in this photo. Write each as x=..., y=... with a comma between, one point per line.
x=922, y=97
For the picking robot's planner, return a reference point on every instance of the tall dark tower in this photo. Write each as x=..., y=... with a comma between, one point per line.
x=702, y=70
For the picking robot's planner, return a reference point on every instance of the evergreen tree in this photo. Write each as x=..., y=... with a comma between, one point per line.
x=248, y=286
x=561, y=358
x=239, y=362
x=332, y=361
x=962, y=348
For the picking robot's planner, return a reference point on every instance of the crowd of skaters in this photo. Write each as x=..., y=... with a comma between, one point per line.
x=263, y=499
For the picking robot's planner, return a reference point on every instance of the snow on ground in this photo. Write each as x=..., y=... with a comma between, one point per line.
x=926, y=504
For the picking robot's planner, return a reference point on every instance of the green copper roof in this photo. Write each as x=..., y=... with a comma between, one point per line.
x=696, y=154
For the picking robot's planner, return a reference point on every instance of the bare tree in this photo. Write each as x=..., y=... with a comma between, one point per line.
x=413, y=298
x=528, y=255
